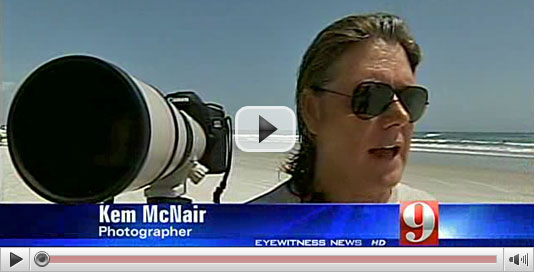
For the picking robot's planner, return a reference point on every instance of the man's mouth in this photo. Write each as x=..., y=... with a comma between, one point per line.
x=385, y=152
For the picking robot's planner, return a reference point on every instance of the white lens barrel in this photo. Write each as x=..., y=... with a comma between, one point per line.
x=83, y=130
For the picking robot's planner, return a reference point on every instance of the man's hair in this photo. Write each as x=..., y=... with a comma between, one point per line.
x=315, y=68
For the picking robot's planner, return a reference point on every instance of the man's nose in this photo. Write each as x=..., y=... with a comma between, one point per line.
x=396, y=114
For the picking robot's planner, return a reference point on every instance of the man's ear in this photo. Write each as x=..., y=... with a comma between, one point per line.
x=311, y=111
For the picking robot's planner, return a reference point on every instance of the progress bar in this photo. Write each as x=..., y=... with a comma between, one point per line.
x=266, y=259
x=490, y=259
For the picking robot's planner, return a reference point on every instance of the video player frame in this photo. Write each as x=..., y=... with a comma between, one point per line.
x=266, y=136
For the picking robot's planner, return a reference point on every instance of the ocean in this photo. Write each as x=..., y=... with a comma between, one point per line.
x=511, y=145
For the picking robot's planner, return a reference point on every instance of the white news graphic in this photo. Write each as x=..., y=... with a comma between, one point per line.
x=259, y=259
x=265, y=129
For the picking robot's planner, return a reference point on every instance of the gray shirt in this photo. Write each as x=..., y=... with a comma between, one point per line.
x=282, y=195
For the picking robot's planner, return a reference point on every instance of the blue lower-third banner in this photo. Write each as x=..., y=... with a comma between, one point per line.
x=313, y=225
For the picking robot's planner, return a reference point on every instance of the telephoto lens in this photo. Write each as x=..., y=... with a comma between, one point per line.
x=82, y=130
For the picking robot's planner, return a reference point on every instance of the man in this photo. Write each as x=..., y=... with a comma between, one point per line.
x=357, y=103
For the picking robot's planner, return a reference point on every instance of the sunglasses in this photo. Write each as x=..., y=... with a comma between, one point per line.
x=371, y=99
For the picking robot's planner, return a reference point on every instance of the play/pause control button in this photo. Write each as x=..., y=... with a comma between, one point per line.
x=15, y=259
x=265, y=129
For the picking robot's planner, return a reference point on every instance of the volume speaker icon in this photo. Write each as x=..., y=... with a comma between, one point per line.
x=516, y=259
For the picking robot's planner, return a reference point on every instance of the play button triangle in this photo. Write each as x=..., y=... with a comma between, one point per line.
x=14, y=259
x=265, y=128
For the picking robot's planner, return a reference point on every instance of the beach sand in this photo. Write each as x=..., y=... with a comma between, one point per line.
x=449, y=178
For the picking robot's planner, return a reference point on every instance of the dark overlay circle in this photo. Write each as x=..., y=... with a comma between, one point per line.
x=78, y=130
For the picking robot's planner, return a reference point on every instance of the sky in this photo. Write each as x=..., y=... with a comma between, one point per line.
x=478, y=61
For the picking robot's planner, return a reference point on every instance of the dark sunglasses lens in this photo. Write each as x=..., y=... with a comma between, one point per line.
x=371, y=99
x=414, y=100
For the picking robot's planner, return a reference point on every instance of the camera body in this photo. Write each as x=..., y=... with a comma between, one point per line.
x=211, y=117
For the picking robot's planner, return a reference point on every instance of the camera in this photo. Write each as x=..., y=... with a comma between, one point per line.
x=82, y=130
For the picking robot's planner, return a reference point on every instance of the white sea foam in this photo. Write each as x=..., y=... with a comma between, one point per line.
x=270, y=139
x=468, y=152
x=431, y=135
x=481, y=148
x=520, y=144
x=480, y=142
x=442, y=141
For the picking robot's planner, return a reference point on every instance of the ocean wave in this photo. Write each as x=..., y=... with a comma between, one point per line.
x=469, y=152
x=448, y=146
x=432, y=135
x=270, y=139
x=480, y=142
x=520, y=144
x=477, y=148
x=470, y=142
x=441, y=141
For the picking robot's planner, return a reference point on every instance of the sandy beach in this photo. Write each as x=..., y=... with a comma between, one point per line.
x=449, y=178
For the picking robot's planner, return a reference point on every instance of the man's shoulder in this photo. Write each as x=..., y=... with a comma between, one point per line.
x=282, y=194
x=279, y=194
x=403, y=192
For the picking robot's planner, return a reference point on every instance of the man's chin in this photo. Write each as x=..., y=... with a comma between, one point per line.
x=389, y=180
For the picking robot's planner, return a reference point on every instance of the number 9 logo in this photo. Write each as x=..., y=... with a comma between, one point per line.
x=419, y=223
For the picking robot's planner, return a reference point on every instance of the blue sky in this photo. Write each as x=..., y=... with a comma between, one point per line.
x=478, y=55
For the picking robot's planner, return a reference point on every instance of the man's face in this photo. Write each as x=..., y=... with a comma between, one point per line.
x=352, y=148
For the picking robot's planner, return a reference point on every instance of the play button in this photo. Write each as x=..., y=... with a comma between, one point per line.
x=14, y=259
x=265, y=129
